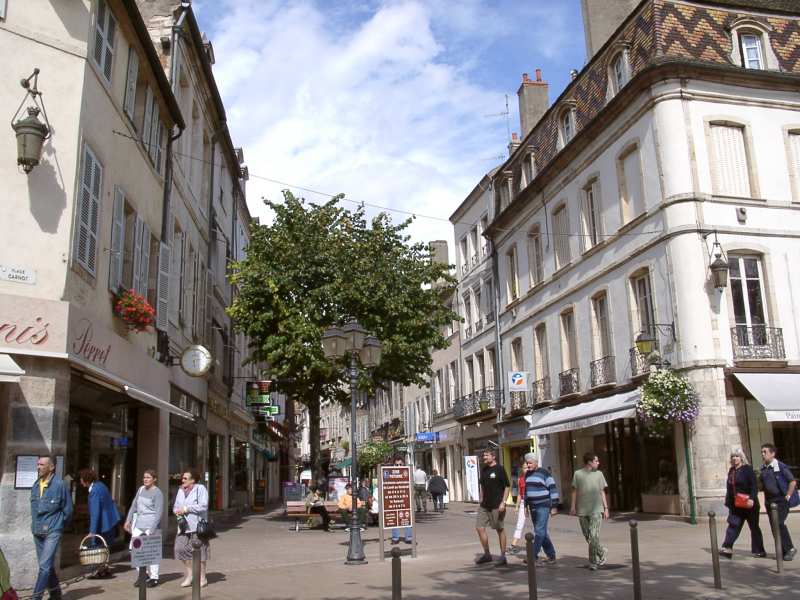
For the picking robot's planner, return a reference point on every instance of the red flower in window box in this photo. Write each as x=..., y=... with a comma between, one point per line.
x=134, y=309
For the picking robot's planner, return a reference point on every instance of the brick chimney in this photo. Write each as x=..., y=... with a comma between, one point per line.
x=514, y=143
x=533, y=101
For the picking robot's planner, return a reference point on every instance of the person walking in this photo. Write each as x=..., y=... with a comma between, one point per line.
x=103, y=516
x=437, y=487
x=541, y=496
x=741, y=498
x=51, y=509
x=408, y=531
x=590, y=503
x=191, y=505
x=780, y=487
x=315, y=504
x=522, y=510
x=144, y=518
x=420, y=489
x=494, y=488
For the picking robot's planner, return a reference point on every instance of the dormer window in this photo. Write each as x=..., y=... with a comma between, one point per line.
x=752, y=53
x=619, y=71
x=566, y=126
x=750, y=45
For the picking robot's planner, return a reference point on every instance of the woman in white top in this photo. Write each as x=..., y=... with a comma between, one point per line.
x=144, y=517
x=191, y=504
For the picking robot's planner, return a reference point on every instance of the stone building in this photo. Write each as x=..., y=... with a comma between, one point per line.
x=678, y=141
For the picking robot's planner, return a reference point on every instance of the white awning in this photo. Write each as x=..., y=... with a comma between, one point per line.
x=9, y=370
x=129, y=389
x=587, y=414
x=776, y=392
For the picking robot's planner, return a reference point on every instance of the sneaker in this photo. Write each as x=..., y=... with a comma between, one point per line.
x=395, y=542
x=151, y=583
x=548, y=561
x=726, y=552
x=514, y=549
x=759, y=555
x=603, y=558
x=593, y=567
x=483, y=559
x=407, y=541
x=501, y=561
x=789, y=554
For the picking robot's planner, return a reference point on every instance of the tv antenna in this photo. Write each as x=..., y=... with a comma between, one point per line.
x=505, y=114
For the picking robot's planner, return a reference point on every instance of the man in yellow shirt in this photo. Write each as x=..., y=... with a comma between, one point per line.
x=345, y=504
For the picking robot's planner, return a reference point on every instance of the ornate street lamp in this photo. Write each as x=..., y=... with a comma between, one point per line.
x=353, y=341
x=30, y=131
x=645, y=342
x=719, y=266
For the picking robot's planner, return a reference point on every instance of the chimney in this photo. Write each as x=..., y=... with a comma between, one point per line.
x=514, y=143
x=533, y=102
x=573, y=74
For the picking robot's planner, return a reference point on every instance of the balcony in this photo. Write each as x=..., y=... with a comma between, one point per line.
x=518, y=403
x=757, y=343
x=482, y=401
x=568, y=383
x=467, y=333
x=602, y=372
x=473, y=261
x=540, y=393
x=639, y=364
x=488, y=318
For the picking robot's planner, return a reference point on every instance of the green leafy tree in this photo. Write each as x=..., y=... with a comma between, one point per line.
x=372, y=454
x=317, y=265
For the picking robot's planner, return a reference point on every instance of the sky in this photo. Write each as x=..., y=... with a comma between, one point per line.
x=393, y=103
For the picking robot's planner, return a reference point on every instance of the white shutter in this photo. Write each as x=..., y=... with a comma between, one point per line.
x=144, y=263
x=159, y=146
x=182, y=275
x=108, y=54
x=99, y=32
x=730, y=175
x=148, y=119
x=631, y=166
x=88, y=207
x=136, y=284
x=105, y=30
x=154, y=132
x=117, y=241
x=2, y=9
x=162, y=293
x=130, y=87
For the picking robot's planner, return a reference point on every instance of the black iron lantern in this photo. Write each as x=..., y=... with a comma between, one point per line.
x=719, y=272
x=30, y=131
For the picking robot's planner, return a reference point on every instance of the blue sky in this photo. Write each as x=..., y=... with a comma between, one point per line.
x=386, y=101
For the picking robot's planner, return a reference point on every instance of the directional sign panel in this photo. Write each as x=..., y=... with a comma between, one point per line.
x=396, y=497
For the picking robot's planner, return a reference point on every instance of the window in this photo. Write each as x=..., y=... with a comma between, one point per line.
x=512, y=282
x=747, y=295
x=561, y=232
x=473, y=236
x=105, y=27
x=152, y=129
x=535, y=256
x=632, y=193
x=567, y=126
x=729, y=169
x=178, y=292
x=541, y=364
x=590, y=215
x=644, y=316
x=88, y=207
x=117, y=251
x=452, y=382
x=569, y=348
x=469, y=376
x=516, y=355
x=601, y=331
x=619, y=72
x=490, y=363
x=467, y=317
x=464, y=255
x=794, y=161
x=480, y=372
x=485, y=243
x=528, y=169
x=129, y=103
x=752, y=50
x=476, y=314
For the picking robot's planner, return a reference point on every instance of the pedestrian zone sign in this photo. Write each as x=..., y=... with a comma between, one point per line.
x=146, y=550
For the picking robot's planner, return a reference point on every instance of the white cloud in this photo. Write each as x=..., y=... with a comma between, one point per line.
x=373, y=99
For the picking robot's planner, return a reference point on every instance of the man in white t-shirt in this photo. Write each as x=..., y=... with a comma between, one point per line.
x=420, y=489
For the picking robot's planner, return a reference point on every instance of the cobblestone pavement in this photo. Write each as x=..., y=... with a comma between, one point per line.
x=258, y=557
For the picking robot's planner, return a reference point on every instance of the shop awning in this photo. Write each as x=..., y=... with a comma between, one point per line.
x=9, y=370
x=587, y=414
x=131, y=390
x=776, y=392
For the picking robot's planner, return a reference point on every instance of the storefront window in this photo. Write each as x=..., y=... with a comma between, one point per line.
x=787, y=442
x=240, y=452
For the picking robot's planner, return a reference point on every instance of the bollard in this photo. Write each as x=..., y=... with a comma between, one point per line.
x=637, y=576
x=776, y=533
x=397, y=592
x=196, y=545
x=533, y=594
x=712, y=526
x=142, y=583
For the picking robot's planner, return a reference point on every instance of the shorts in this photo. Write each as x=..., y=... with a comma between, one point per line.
x=490, y=518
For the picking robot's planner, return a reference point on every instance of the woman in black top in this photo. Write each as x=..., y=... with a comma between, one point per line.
x=742, y=480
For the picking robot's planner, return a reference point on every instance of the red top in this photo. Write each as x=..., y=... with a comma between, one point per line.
x=521, y=484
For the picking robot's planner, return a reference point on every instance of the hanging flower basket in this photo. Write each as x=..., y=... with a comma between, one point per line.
x=134, y=310
x=667, y=398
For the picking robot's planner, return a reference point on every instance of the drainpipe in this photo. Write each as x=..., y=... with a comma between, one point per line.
x=498, y=374
x=689, y=480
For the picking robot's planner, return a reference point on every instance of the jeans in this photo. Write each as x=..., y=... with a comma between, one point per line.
x=783, y=512
x=421, y=497
x=396, y=534
x=541, y=539
x=737, y=517
x=438, y=502
x=46, y=549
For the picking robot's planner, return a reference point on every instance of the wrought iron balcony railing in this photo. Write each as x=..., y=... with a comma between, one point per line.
x=477, y=402
x=602, y=371
x=568, y=382
x=639, y=364
x=473, y=260
x=757, y=343
x=519, y=402
x=541, y=391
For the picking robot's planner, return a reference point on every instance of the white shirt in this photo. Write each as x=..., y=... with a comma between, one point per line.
x=420, y=478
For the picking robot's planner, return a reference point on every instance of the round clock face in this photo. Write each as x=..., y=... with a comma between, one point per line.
x=196, y=360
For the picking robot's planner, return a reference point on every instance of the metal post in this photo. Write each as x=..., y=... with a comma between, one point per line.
x=532, y=593
x=196, y=545
x=397, y=589
x=637, y=575
x=355, y=551
x=689, y=481
x=142, y=583
x=776, y=533
x=712, y=526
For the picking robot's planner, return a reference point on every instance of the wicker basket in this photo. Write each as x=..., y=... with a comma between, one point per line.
x=98, y=555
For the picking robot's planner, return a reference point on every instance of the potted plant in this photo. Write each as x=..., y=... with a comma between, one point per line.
x=134, y=310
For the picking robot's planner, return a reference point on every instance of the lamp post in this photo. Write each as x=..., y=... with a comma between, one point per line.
x=353, y=343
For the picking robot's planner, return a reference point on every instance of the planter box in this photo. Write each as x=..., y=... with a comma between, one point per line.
x=662, y=504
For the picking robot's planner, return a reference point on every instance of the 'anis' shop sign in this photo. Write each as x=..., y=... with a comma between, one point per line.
x=32, y=325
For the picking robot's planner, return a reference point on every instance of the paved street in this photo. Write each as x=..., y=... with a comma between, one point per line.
x=258, y=557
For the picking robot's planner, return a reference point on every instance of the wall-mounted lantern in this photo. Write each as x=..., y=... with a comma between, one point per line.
x=719, y=266
x=30, y=131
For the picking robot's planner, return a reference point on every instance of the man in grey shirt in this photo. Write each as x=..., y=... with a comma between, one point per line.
x=144, y=517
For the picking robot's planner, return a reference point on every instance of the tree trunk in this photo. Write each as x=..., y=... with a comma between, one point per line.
x=313, y=436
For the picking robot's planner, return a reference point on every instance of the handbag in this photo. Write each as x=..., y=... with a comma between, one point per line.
x=205, y=530
x=740, y=499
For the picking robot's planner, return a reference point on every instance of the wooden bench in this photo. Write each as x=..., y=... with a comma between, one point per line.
x=296, y=509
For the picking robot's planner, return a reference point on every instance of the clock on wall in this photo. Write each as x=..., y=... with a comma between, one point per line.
x=196, y=360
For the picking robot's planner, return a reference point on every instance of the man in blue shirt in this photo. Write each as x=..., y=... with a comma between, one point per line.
x=51, y=509
x=541, y=496
x=779, y=488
